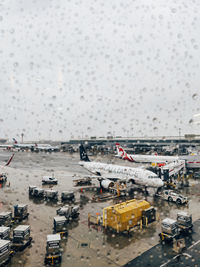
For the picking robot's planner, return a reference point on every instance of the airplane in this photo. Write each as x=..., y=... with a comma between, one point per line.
x=129, y=175
x=160, y=160
x=45, y=148
x=35, y=147
x=22, y=146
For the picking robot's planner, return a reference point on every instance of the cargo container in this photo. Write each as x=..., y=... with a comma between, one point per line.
x=6, y=218
x=4, y=232
x=21, y=237
x=53, y=250
x=5, y=252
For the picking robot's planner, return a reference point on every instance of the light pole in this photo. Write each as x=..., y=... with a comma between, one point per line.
x=22, y=135
x=179, y=133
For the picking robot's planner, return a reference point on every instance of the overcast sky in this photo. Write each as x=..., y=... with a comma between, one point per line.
x=76, y=68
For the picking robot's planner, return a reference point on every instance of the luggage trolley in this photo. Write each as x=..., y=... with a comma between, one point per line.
x=53, y=254
x=21, y=237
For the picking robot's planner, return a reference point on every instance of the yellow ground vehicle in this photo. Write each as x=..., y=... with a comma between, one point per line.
x=126, y=215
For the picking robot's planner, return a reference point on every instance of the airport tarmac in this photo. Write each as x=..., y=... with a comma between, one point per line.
x=84, y=246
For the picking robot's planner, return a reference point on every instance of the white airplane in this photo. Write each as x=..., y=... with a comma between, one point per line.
x=109, y=172
x=45, y=147
x=22, y=146
x=161, y=160
x=35, y=147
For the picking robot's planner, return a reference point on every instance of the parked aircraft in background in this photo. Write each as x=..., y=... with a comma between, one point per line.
x=162, y=160
x=35, y=147
x=22, y=146
x=109, y=172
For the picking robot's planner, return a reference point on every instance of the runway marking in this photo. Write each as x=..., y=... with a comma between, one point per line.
x=184, y=254
x=170, y=260
x=194, y=244
x=187, y=255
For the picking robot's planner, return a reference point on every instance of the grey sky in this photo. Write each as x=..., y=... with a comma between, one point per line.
x=76, y=68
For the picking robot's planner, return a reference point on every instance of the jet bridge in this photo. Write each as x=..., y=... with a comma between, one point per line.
x=172, y=169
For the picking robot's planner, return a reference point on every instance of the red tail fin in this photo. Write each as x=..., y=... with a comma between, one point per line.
x=10, y=159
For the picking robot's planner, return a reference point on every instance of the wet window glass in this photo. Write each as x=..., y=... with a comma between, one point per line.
x=99, y=114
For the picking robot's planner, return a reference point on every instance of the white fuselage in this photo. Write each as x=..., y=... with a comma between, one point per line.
x=136, y=175
x=121, y=153
x=151, y=158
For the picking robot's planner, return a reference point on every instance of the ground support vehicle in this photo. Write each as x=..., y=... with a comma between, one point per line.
x=30, y=189
x=125, y=216
x=169, y=230
x=4, y=232
x=172, y=196
x=49, y=180
x=59, y=226
x=53, y=253
x=51, y=195
x=6, y=218
x=184, y=221
x=67, y=196
x=3, y=178
x=69, y=212
x=21, y=237
x=38, y=192
x=20, y=212
x=5, y=252
x=83, y=181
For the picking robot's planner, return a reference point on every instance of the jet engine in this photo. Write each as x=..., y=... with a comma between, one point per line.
x=106, y=183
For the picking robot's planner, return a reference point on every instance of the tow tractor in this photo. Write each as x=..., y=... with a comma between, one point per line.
x=184, y=221
x=20, y=212
x=53, y=253
x=169, y=230
x=172, y=196
x=59, y=226
x=49, y=180
x=21, y=237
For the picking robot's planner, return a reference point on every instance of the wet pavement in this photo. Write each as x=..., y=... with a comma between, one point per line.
x=99, y=248
x=163, y=255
